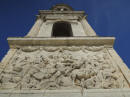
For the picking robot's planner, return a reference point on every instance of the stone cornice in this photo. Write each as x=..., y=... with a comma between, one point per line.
x=67, y=41
x=60, y=12
x=62, y=17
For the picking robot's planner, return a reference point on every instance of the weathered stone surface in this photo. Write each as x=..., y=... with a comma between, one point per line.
x=67, y=93
x=38, y=75
x=72, y=41
x=60, y=67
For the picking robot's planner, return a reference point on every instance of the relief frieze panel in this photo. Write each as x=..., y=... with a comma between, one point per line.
x=61, y=67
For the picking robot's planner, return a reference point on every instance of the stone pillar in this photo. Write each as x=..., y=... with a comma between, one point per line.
x=87, y=28
x=77, y=29
x=36, y=27
x=46, y=30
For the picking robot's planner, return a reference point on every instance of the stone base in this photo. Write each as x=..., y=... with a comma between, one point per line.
x=66, y=93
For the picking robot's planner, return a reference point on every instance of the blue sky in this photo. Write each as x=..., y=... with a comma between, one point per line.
x=107, y=17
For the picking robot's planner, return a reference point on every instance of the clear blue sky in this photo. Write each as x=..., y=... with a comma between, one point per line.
x=107, y=17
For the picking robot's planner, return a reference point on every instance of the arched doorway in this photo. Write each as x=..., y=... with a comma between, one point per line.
x=62, y=29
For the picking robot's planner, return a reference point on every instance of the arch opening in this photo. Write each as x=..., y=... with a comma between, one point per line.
x=62, y=29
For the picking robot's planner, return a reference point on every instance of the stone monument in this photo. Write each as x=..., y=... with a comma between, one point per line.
x=62, y=56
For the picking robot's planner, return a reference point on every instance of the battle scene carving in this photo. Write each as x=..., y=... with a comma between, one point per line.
x=61, y=67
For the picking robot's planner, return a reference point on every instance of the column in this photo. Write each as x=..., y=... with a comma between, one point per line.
x=77, y=29
x=87, y=28
x=36, y=27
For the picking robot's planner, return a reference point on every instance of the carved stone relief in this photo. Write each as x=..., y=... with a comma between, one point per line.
x=61, y=67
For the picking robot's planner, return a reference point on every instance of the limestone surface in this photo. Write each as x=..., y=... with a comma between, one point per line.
x=62, y=67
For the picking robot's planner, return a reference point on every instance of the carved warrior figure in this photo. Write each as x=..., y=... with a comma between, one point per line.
x=61, y=67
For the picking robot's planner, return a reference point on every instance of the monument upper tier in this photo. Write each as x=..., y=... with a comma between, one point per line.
x=61, y=21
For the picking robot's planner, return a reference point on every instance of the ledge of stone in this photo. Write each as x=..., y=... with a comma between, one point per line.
x=60, y=12
x=59, y=41
x=66, y=93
